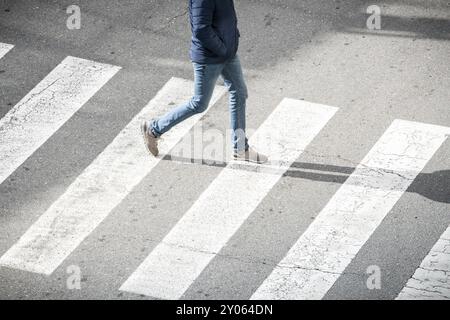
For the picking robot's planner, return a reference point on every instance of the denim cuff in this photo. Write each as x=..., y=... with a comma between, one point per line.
x=152, y=130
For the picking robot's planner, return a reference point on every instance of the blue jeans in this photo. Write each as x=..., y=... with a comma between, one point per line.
x=206, y=76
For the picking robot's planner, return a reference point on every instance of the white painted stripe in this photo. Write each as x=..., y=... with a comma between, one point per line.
x=224, y=206
x=432, y=279
x=4, y=48
x=334, y=238
x=47, y=107
x=100, y=188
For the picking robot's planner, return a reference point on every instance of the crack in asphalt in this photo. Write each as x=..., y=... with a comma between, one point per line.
x=16, y=109
x=271, y=263
x=170, y=20
x=428, y=290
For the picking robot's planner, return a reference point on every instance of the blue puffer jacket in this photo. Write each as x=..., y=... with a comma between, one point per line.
x=215, y=36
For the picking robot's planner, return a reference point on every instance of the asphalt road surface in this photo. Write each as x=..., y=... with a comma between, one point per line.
x=359, y=207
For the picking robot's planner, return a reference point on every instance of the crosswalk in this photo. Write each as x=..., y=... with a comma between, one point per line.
x=4, y=48
x=334, y=238
x=432, y=279
x=310, y=267
x=226, y=203
x=47, y=107
x=102, y=186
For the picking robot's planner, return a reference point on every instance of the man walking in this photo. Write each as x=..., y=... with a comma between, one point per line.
x=215, y=40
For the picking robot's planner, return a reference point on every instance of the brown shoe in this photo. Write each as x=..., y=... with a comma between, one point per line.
x=250, y=156
x=150, y=141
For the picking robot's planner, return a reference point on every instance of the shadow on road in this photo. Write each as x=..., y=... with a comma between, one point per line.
x=408, y=27
x=163, y=24
x=434, y=186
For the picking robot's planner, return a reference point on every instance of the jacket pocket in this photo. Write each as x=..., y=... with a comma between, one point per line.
x=225, y=42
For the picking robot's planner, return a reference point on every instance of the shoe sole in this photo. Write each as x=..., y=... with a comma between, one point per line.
x=144, y=138
x=249, y=161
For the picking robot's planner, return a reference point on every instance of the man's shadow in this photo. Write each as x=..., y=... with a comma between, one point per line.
x=434, y=186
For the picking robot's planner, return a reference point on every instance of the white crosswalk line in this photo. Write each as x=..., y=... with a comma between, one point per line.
x=334, y=238
x=432, y=279
x=4, y=48
x=100, y=188
x=224, y=206
x=47, y=107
